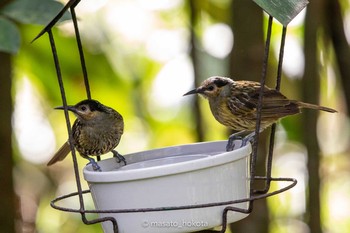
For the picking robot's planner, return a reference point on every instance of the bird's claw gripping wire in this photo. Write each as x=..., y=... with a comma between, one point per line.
x=238, y=136
x=119, y=157
x=249, y=138
x=94, y=165
x=231, y=142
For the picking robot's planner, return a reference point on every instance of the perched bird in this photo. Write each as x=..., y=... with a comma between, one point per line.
x=234, y=104
x=96, y=131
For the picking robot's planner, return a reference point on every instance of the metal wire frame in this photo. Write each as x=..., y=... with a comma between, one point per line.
x=277, y=87
x=48, y=29
x=254, y=194
x=292, y=183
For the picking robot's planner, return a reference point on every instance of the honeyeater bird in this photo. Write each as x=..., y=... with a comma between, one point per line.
x=96, y=131
x=234, y=104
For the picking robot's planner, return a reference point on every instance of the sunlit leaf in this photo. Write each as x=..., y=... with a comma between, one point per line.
x=9, y=36
x=33, y=11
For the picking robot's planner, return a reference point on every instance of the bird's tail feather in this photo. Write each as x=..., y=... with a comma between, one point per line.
x=60, y=154
x=317, y=107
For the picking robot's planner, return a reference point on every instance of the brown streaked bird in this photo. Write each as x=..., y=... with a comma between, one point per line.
x=234, y=104
x=96, y=131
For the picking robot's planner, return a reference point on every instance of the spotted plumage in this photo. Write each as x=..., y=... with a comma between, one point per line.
x=96, y=131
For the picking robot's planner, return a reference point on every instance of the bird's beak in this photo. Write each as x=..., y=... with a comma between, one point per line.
x=194, y=91
x=69, y=108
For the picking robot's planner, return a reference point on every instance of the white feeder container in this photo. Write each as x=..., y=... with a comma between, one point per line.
x=192, y=174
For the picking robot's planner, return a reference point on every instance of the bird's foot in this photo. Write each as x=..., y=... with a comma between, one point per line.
x=248, y=138
x=231, y=141
x=94, y=165
x=238, y=136
x=119, y=157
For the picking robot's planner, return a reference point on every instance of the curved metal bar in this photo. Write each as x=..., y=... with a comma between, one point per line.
x=273, y=128
x=254, y=155
x=292, y=181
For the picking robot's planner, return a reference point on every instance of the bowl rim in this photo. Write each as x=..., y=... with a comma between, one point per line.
x=216, y=155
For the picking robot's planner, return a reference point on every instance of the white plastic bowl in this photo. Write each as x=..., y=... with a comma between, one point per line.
x=199, y=173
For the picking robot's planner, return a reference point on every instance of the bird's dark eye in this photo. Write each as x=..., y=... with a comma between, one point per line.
x=210, y=88
x=83, y=108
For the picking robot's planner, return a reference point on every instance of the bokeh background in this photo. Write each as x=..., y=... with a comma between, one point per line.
x=142, y=56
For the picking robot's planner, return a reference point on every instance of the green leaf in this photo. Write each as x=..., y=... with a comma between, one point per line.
x=33, y=11
x=9, y=37
x=282, y=10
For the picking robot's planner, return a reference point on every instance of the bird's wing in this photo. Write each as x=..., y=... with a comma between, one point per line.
x=275, y=104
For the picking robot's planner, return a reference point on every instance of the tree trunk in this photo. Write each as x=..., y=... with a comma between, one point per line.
x=198, y=119
x=341, y=47
x=310, y=89
x=246, y=63
x=248, y=50
x=7, y=195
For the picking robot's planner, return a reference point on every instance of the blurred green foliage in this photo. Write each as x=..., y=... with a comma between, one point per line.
x=25, y=12
x=123, y=75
